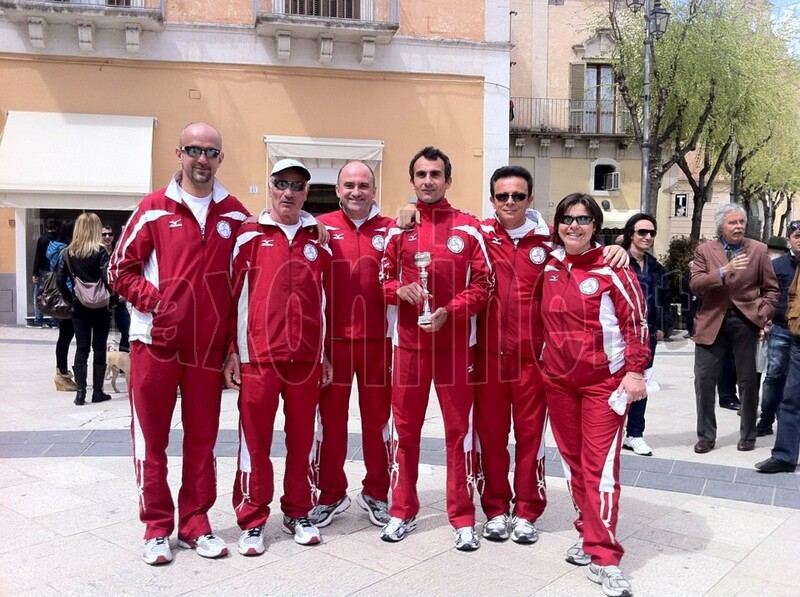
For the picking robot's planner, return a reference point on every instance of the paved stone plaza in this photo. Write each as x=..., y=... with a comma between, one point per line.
x=691, y=524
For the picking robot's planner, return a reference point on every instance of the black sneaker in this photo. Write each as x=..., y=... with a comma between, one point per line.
x=322, y=515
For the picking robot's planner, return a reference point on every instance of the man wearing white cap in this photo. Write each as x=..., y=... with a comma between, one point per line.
x=280, y=273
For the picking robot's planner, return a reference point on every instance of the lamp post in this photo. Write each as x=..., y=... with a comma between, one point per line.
x=655, y=24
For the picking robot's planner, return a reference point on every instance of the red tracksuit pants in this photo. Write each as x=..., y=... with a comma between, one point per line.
x=262, y=385
x=510, y=389
x=412, y=374
x=370, y=361
x=155, y=376
x=589, y=437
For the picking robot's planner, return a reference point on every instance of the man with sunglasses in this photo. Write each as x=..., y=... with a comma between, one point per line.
x=740, y=292
x=119, y=310
x=639, y=234
x=172, y=264
x=281, y=276
x=359, y=347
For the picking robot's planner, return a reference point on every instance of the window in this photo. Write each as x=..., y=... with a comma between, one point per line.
x=594, y=108
x=605, y=176
x=341, y=9
x=321, y=199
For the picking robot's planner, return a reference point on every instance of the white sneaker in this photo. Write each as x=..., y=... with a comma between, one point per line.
x=397, y=528
x=251, y=542
x=638, y=445
x=304, y=532
x=207, y=546
x=496, y=528
x=157, y=551
x=523, y=531
x=612, y=580
x=466, y=539
x=576, y=555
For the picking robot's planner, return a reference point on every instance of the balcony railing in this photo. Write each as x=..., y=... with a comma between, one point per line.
x=359, y=10
x=149, y=4
x=588, y=117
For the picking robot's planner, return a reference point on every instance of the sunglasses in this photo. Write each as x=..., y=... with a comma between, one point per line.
x=517, y=197
x=581, y=220
x=282, y=185
x=107, y=234
x=645, y=232
x=193, y=151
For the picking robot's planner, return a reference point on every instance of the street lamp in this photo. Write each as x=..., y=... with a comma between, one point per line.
x=655, y=24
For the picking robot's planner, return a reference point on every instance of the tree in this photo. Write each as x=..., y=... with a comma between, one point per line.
x=710, y=75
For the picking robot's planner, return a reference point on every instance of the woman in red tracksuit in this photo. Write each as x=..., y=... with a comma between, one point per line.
x=596, y=343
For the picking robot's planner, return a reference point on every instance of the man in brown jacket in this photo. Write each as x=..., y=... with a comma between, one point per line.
x=740, y=291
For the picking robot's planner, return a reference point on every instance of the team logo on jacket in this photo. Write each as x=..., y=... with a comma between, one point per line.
x=338, y=236
x=377, y=242
x=589, y=286
x=455, y=244
x=537, y=255
x=310, y=252
x=224, y=229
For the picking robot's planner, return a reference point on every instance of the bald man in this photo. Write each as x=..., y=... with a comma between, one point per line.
x=359, y=347
x=172, y=264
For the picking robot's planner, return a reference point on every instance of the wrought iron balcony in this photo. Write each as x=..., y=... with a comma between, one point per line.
x=60, y=5
x=563, y=116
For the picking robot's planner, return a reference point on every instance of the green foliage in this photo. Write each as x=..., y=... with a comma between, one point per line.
x=676, y=262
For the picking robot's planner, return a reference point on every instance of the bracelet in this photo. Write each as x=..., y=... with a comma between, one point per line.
x=634, y=375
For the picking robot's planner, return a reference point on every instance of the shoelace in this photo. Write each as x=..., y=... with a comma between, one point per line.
x=254, y=532
x=614, y=574
x=300, y=522
x=161, y=540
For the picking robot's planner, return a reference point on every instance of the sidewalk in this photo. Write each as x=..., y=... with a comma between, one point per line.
x=69, y=509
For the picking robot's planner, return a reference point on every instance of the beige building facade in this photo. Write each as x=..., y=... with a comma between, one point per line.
x=96, y=93
x=570, y=128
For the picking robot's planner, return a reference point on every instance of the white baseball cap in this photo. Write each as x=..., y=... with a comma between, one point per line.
x=288, y=163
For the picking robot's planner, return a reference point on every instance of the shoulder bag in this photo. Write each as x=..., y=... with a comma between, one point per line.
x=93, y=295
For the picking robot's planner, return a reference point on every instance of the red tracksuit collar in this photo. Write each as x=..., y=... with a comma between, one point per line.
x=589, y=256
x=427, y=209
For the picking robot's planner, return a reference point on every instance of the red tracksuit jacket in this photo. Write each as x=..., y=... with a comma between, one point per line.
x=357, y=305
x=511, y=324
x=460, y=277
x=595, y=319
x=163, y=257
x=280, y=291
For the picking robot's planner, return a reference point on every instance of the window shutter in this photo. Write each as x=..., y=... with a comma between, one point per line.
x=612, y=181
x=577, y=74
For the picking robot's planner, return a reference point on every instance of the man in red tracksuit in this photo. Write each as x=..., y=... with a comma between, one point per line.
x=173, y=265
x=358, y=346
x=280, y=274
x=509, y=381
x=438, y=348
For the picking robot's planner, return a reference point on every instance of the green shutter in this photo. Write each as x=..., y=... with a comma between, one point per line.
x=577, y=76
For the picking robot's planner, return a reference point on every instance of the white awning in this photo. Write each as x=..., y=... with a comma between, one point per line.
x=78, y=161
x=324, y=156
x=616, y=218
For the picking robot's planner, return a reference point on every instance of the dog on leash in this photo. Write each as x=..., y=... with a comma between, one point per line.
x=117, y=361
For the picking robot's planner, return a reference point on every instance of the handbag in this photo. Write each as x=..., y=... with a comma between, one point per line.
x=93, y=295
x=50, y=300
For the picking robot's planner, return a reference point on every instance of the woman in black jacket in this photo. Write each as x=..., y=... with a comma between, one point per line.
x=86, y=259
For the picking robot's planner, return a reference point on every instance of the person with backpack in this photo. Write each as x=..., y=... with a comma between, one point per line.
x=84, y=265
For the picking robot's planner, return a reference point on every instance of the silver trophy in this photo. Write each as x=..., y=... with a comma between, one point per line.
x=423, y=260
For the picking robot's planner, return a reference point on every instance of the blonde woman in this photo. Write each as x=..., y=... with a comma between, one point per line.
x=86, y=259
